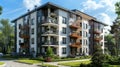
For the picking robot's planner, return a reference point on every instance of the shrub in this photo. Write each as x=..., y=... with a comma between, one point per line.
x=49, y=52
x=98, y=57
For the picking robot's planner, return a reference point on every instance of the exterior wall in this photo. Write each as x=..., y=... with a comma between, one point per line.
x=61, y=35
x=85, y=31
x=20, y=21
x=33, y=47
x=61, y=13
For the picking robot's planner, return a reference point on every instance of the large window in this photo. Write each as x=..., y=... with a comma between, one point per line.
x=63, y=50
x=64, y=30
x=64, y=40
x=80, y=33
x=64, y=20
x=32, y=30
x=32, y=21
x=80, y=41
x=32, y=40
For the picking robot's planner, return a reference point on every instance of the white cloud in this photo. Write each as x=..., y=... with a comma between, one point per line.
x=109, y=4
x=29, y=4
x=105, y=18
x=91, y=5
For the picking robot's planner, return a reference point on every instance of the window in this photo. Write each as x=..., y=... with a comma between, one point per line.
x=64, y=50
x=32, y=21
x=80, y=24
x=86, y=34
x=80, y=41
x=19, y=41
x=19, y=26
x=80, y=33
x=32, y=40
x=86, y=26
x=64, y=19
x=64, y=40
x=86, y=42
x=64, y=30
x=32, y=30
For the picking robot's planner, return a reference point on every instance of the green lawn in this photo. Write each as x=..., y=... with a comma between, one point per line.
x=28, y=61
x=48, y=65
x=114, y=65
x=75, y=64
x=1, y=63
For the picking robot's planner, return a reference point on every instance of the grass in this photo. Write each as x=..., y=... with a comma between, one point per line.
x=114, y=65
x=1, y=63
x=74, y=64
x=29, y=61
x=48, y=65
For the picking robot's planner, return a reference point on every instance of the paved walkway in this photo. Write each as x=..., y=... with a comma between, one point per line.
x=11, y=63
x=56, y=63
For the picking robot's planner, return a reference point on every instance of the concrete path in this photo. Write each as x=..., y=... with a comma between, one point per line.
x=11, y=63
x=56, y=63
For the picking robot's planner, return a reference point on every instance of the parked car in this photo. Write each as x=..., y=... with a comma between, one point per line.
x=1, y=54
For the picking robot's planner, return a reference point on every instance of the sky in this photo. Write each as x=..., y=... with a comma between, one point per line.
x=103, y=10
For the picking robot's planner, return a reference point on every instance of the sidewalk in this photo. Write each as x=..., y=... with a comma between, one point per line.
x=56, y=63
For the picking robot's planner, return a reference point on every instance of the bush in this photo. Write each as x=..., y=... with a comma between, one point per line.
x=49, y=52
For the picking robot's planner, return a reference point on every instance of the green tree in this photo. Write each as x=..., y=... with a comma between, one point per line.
x=98, y=57
x=115, y=28
x=7, y=33
x=117, y=8
x=49, y=52
x=110, y=44
x=0, y=10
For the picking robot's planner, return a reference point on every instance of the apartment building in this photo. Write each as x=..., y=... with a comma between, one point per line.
x=67, y=32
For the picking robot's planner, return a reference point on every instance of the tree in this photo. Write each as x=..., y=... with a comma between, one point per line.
x=98, y=57
x=7, y=32
x=49, y=52
x=0, y=10
x=115, y=28
x=117, y=8
x=110, y=44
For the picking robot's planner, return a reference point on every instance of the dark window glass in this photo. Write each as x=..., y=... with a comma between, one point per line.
x=64, y=40
x=64, y=50
x=64, y=30
x=64, y=20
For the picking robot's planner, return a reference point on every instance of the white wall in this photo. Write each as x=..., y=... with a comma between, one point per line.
x=62, y=14
x=33, y=15
x=84, y=45
x=20, y=21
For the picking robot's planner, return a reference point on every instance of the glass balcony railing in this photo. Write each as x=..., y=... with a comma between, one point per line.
x=50, y=43
x=50, y=32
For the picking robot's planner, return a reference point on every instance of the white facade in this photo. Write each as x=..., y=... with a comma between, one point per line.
x=60, y=47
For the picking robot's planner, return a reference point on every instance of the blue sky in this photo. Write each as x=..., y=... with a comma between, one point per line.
x=103, y=10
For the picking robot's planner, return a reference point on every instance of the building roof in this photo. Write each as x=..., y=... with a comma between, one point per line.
x=57, y=6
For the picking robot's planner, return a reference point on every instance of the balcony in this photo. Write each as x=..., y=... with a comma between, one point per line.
x=76, y=44
x=53, y=14
x=24, y=35
x=74, y=35
x=23, y=45
x=54, y=43
x=74, y=25
x=50, y=21
x=97, y=31
x=24, y=27
x=97, y=38
x=50, y=33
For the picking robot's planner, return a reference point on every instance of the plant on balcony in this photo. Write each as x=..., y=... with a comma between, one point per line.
x=49, y=54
